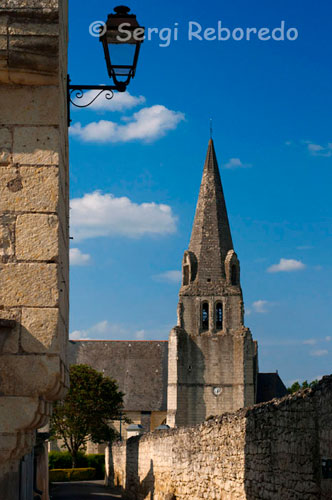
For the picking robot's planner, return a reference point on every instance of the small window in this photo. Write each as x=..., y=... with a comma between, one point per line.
x=234, y=277
x=219, y=316
x=205, y=316
x=186, y=275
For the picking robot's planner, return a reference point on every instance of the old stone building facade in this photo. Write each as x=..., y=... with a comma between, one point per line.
x=209, y=365
x=34, y=211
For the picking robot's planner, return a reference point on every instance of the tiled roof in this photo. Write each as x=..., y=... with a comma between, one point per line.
x=139, y=367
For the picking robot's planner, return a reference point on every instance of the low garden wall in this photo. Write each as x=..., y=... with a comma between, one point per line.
x=276, y=450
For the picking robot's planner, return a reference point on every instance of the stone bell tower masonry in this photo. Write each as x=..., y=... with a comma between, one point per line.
x=212, y=357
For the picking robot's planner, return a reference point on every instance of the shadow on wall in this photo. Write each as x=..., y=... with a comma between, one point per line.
x=285, y=445
x=16, y=376
x=191, y=407
x=135, y=487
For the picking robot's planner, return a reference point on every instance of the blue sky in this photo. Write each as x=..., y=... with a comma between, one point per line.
x=136, y=164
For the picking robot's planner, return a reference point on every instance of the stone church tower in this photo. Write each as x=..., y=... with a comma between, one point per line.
x=212, y=363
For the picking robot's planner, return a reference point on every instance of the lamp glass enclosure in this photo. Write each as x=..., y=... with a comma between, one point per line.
x=121, y=39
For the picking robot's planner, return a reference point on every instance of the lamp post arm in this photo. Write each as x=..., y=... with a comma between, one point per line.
x=75, y=92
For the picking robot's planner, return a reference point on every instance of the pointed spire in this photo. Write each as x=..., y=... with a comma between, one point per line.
x=211, y=236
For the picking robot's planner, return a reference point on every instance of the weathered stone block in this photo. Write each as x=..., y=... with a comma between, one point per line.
x=33, y=285
x=33, y=62
x=30, y=4
x=28, y=109
x=40, y=330
x=29, y=29
x=29, y=189
x=7, y=236
x=34, y=44
x=31, y=374
x=3, y=42
x=5, y=146
x=36, y=145
x=3, y=23
x=17, y=413
x=9, y=337
x=37, y=237
x=5, y=138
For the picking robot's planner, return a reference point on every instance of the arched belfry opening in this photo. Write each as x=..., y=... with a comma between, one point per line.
x=189, y=268
x=205, y=316
x=234, y=275
x=232, y=269
x=186, y=273
x=219, y=316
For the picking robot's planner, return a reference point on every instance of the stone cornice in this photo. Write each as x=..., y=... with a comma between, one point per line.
x=29, y=41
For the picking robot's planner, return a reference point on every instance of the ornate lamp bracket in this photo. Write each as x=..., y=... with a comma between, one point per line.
x=75, y=92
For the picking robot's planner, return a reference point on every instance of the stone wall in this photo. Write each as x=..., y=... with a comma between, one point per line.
x=269, y=451
x=209, y=375
x=34, y=211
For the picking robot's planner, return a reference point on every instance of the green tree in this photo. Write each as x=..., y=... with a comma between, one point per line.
x=305, y=385
x=91, y=402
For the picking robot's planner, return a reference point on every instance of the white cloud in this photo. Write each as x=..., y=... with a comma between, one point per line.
x=97, y=214
x=105, y=330
x=319, y=352
x=310, y=342
x=140, y=335
x=260, y=306
x=236, y=163
x=147, y=125
x=119, y=102
x=286, y=265
x=169, y=277
x=77, y=258
x=102, y=330
x=318, y=150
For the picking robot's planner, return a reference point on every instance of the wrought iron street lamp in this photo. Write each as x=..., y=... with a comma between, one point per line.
x=121, y=37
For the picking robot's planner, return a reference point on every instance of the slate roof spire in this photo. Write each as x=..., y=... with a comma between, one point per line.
x=211, y=236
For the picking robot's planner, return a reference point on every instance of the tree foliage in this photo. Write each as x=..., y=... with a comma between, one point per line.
x=91, y=402
x=305, y=385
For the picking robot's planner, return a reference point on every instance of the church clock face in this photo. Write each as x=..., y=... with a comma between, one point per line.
x=217, y=391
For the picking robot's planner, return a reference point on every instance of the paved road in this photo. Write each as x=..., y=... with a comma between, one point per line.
x=83, y=490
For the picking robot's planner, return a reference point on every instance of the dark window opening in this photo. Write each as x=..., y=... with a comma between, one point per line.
x=205, y=316
x=327, y=468
x=219, y=316
x=186, y=275
x=234, y=278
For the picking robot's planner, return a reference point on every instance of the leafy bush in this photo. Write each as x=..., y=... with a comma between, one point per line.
x=63, y=460
x=63, y=475
x=97, y=461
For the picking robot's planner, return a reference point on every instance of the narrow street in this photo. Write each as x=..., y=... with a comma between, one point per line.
x=82, y=490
